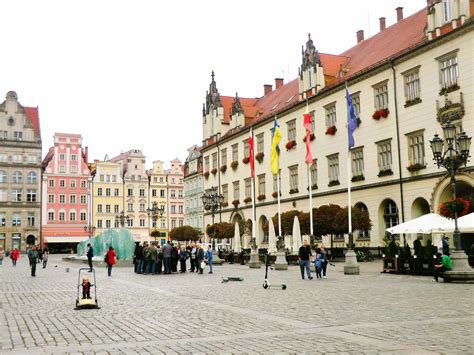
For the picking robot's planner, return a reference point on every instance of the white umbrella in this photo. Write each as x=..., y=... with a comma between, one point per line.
x=428, y=223
x=466, y=223
x=288, y=242
x=296, y=235
x=271, y=238
x=237, y=245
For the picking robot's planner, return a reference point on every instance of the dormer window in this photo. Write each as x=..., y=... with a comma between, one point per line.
x=447, y=10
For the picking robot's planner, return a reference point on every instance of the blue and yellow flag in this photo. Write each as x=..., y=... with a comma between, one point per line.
x=275, y=150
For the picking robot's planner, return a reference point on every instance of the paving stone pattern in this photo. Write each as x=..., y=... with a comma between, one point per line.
x=371, y=313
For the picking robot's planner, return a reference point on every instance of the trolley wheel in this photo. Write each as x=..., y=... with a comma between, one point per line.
x=283, y=287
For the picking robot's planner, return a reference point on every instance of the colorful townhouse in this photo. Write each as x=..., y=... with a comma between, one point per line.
x=159, y=196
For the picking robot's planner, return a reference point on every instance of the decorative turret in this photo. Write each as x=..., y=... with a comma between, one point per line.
x=311, y=75
x=213, y=100
x=236, y=106
x=213, y=112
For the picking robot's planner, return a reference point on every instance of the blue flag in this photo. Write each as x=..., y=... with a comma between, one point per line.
x=351, y=120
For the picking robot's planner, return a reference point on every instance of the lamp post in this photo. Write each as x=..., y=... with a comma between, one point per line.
x=212, y=202
x=155, y=212
x=121, y=218
x=452, y=157
x=90, y=230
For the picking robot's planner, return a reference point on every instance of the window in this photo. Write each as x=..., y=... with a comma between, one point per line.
x=293, y=170
x=142, y=192
x=248, y=188
x=412, y=85
x=101, y=178
x=236, y=190
x=206, y=164
x=73, y=169
x=363, y=234
x=107, y=208
x=384, y=152
x=99, y=223
x=129, y=192
x=3, y=176
x=72, y=216
x=18, y=136
x=116, y=192
x=162, y=223
x=3, y=134
x=3, y=219
x=129, y=207
x=449, y=71
x=355, y=98
x=16, y=195
x=116, y=208
x=62, y=169
x=180, y=209
x=173, y=209
x=153, y=193
x=173, y=223
x=235, y=152
x=214, y=161
x=31, y=178
x=416, y=149
x=180, y=193
x=50, y=198
x=357, y=162
x=83, y=199
x=32, y=159
x=381, y=95
x=50, y=216
x=225, y=193
x=313, y=122
x=291, y=126
x=142, y=207
x=275, y=183
x=83, y=216
x=107, y=223
x=447, y=11
x=330, y=113
x=142, y=223
x=72, y=199
x=72, y=184
x=73, y=157
x=16, y=219
x=62, y=157
x=224, y=156
x=99, y=191
x=180, y=222
x=107, y=191
x=246, y=148
x=31, y=195
x=17, y=177
x=260, y=142
x=390, y=214
x=99, y=208
x=314, y=173
x=17, y=158
x=31, y=219
x=62, y=183
x=83, y=184
x=3, y=157
x=3, y=195
x=261, y=184
x=333, y=168
x=173, y=193
x=62, y=216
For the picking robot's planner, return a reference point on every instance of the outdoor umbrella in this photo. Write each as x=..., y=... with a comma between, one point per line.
x=237, y=245
x=296, y=235
x=428, y=223
x=271, y=238
x=466, y=223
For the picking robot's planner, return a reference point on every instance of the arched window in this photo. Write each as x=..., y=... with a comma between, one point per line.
x=390, y=214
x=17, y=177
x=363, y=234
x=3, y=176
x=31, y=179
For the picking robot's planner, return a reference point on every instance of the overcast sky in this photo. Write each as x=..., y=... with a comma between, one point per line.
x=133, y=74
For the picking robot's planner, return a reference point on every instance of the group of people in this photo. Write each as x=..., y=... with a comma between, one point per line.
x=109, y=258
x=35, y=255
x=319, y=258
x=152, y=258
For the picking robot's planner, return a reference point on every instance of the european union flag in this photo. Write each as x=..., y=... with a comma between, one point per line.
x=351, y=120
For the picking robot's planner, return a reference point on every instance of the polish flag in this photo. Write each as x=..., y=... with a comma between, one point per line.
x=307, y=125
x=252, y=168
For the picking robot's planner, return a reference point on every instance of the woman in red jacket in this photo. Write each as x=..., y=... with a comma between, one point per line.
x=110, y=260
x=14, y=256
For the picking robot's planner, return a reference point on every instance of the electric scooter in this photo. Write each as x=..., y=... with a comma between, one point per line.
x=266, y=283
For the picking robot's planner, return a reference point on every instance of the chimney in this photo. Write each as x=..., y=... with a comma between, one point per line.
x=86, y=154
x=399, y=13
x=267, y=88
x=382, y=23
x=278, y=83
x=360, y=36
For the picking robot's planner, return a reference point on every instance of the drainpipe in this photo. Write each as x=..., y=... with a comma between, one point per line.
x=398, y=140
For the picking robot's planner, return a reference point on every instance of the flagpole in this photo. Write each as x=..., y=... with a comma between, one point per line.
x=310, y=183
x=254, y=211
x=279, y=207
x=349, y=197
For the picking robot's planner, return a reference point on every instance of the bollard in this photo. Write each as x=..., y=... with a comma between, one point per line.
x=67, y=269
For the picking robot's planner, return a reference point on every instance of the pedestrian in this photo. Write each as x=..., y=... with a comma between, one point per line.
x=231, y=256
x=14, y=255
x=209, y=257
x=167, y=257
x=45, y=258
x=33, y=258
x=159, y=260
x=199, y=259
x=183, y=255
x=40, y=254
x=138, y=254
x=324, y=259
x=304, y=254
x=192, y=256
x=89, y=254
x=317, y=266
x=2, y=254
x=144, y=257
x=445, y=241
x=153, y=257
x=174, y=258
x=442, y=266
x=110, y=260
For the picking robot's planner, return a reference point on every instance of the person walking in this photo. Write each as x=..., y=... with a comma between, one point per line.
x=144, y=257
x=14, y=255
x=199, y=259
x=324, y=259
x=110, y=260
x=304, y=254
x=138, y=258
x=33, y=258
x=2, y=254
x=153, y=257
x=209, y=257
x=45, y=258
x=174, y=258
x=317, y=266
x=159, y=261
x=183, y=255
x=167, y=257
x=442, y=266
x=89, y=254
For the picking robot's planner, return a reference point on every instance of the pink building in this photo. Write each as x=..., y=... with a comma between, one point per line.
x=66, y=179
x=175, y=194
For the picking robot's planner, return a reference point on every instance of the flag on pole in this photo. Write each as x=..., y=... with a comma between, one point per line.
x=275, y=150
x=252, y=162
x=307, y=125
x=351, y=120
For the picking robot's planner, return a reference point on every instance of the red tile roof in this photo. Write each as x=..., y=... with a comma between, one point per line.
x=33, y=116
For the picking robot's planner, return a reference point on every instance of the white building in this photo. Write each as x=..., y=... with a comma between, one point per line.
x=193, y=189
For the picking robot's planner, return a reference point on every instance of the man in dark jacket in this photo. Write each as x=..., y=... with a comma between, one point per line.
x=33, y=258
x=305, y=257
x=90, y=254
x=167, y=257
x=199, y=258
x=138, y=258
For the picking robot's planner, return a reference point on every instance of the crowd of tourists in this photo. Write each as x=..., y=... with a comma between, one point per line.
x=35, y=255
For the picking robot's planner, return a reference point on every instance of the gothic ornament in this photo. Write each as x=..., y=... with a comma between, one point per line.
x=236, y=106
x=310, y=55
x=450, y=111
x=213, y=99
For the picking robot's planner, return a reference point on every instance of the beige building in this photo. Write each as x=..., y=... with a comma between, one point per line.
x=404, y=81
x=159, y=193
x=20, y=174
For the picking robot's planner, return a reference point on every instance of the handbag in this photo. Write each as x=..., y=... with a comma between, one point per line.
x=105, y=258
x=203, y=264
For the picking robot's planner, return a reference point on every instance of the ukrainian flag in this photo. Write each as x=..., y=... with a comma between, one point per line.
x=275, y=150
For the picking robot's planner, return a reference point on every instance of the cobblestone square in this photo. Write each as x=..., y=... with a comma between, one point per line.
x=188, y=313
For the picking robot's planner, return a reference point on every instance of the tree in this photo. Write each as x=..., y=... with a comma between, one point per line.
x=287, y=219
x=360, y=220
x=155, y=234
x=324, y=220
x=221, y=230
x=184, y=233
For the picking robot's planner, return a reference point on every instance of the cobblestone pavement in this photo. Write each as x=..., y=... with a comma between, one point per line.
x=187, y=313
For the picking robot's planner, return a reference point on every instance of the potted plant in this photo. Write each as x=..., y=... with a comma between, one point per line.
x=311, y=138
x=223, y=168
x=234, y=164
x=457, y=205
x=415, y=167
x=274, y=194
x=214, y=171
x=334, y=183
x=293, y=191
x=385, y=172
x=246, y=160
x=390, y=254
x=261, y=197
x=331, y=130
x=235, y=203
x=206, y=174
x=290, y=145
x=259, y=157
x=376, y=115
x=358, y=178
x=247, y=200
x=225, y=204
x=384, y=112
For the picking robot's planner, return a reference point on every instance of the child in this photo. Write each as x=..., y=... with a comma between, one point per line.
x=45, y=258
x=317, y=266
x=86, y=288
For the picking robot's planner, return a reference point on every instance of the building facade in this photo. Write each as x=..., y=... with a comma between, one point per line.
x=159, y=194
x=175, y=194
x=404, y=82
x=66, y=182
x=20, y=174
x=193, y=189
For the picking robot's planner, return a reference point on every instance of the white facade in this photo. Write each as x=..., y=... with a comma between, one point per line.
x=193, y=189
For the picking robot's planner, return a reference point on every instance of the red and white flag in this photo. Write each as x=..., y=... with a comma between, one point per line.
x=252, y=168
x=307, y=126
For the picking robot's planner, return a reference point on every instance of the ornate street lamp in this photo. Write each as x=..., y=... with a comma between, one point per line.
x=155, y=212
x=90, y=230
x=452, y=157
x=121, y=219
x=212, y=202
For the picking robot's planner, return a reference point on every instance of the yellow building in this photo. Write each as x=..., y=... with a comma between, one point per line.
x=107, y=197
x=158, y=193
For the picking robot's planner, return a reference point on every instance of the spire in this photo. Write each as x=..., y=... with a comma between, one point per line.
x=236, y=106
x=310, y=55
x=213, y=100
